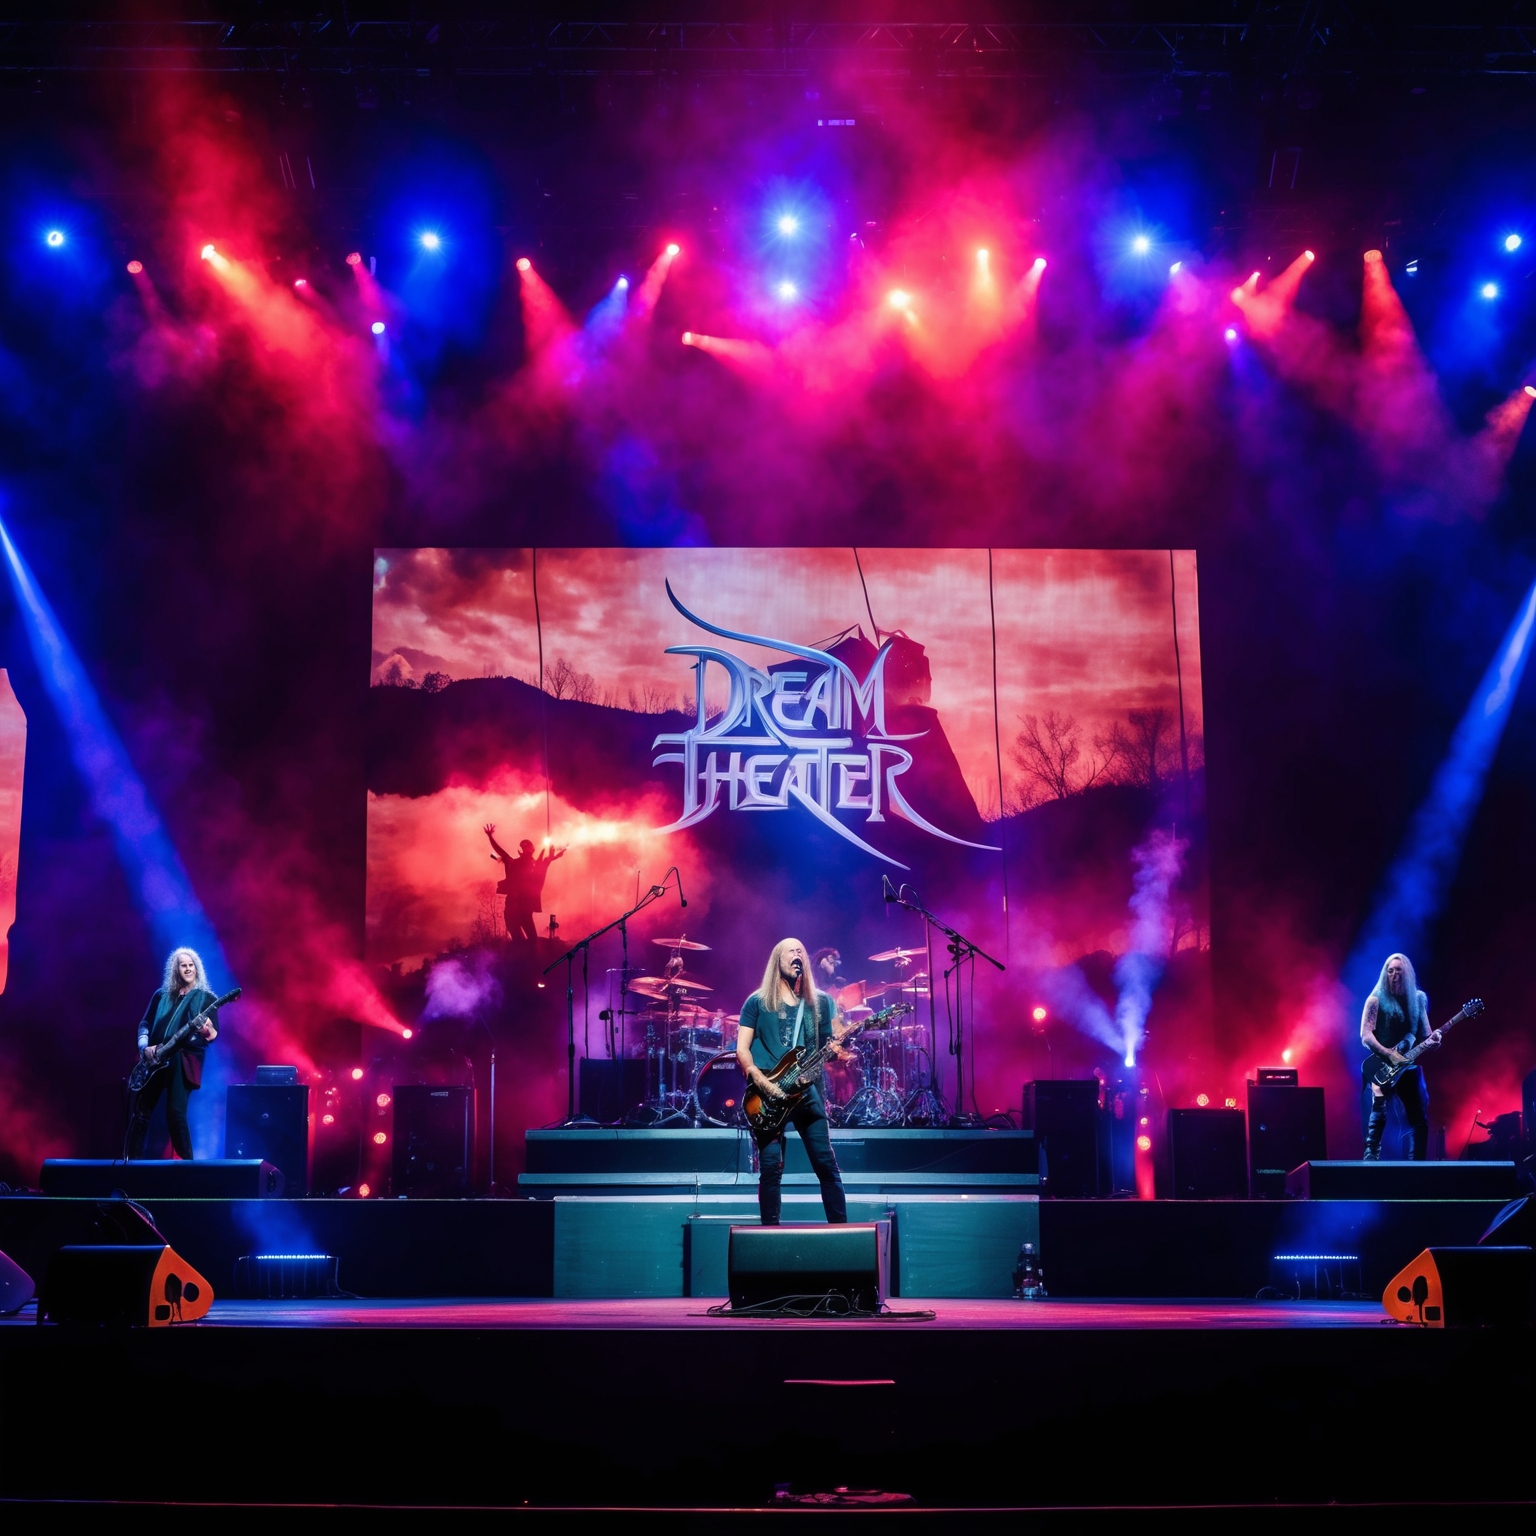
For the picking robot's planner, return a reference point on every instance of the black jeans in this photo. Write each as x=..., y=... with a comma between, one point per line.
x=1414, y=1097
x=178, y=1095
x=810, y=1119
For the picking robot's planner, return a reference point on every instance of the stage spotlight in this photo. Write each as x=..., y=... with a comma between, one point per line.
x=380, y=1137
x=364, y=1191
x=301, y=282
x=787, y=290
x=1489, y=290
x=899, y=299
x=1512, y=242
x=1141, y=245
x=1175, y=269
x=1229, y=335
x=327, y=1119
x=431, y=240
x=135, y=267
x=1143, y=1143
x=1039, y=263
x=407, y=1033
x=1412, y=269
x=622, y=284
x=1530, y=389
x=1130, y=1058
x=377, y=327
x=523, y=264
x=1145, y=1120
x=357, y=1074
x=1229, y=1103
x=687, y=338
x=382, y=1101
x=55, y=238
x=208, y=252
x=789, y=224
x=1285, y=1055
x=982, y=257
x=674, y=249
x=1039, y=1015
x=1202, y=1099
x=354, y=258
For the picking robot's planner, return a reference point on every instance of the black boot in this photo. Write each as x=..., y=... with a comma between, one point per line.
x=1375, y=1129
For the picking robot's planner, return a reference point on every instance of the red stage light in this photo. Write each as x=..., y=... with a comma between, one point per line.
x=1309, y=255
x=674, y=249
x=135, y=267
x=407, y=1033
x=899, y=299
x=364, y=1190
x=354, y=258
x=357, y=1074
x=1373, y=256
x=382, y=1101
x=523, y=264
x=982, y=256
x=1038, y=1015
x=1285, y=1055
x=208, y=252
x=1039, y=263
x=687, y=338
x=1145, y=1120
x=1202, y=1099
x=541, y=986
x=1530, y=389
x=327, y=1119
x=301, y=282
x=1143, y=1143
x=1230, y=1103
x=379, y=1138
x=1238, y=295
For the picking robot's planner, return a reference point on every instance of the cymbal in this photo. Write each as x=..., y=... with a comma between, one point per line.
x=896, y=954
x=684, y=943
x=661, y=985
x=690, y=1014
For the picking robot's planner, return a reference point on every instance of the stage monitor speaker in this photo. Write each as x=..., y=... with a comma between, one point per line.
x=271, y=1122
x=434, y=1141
x=16, y=1287
x=796, y=1268
x=1514, y=1226
x=1287, y=1126
x=214, y=1178
x=608, y=1090
x=1463, y=1288
x=1064, y=1115
x=1208, y=1154
x=125, y=1285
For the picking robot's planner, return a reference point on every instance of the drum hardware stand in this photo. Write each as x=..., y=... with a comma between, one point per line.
x=962, y=952
x=583, y=947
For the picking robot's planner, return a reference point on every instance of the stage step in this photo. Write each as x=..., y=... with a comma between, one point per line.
x=1342, y=1180
x=215, y=1178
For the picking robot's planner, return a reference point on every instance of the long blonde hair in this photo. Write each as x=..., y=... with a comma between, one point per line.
x=173, y=976
x=775, y=993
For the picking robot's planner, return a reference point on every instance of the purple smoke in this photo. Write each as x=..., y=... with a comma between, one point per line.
x=1158, y=862
x=461, y=989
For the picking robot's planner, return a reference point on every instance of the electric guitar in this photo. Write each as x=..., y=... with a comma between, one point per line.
x=1385, y=1073
x=800, y=1068
x=145, y=1067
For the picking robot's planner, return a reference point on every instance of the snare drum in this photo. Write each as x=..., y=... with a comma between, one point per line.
x=720, y=1088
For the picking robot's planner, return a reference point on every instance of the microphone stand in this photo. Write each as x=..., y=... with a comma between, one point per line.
x=581, y=947
x=962, y=952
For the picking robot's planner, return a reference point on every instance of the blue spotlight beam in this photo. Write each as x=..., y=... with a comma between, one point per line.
x=118, y=797
x=1413, y=892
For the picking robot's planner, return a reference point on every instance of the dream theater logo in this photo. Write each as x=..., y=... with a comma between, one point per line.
x=813, y=736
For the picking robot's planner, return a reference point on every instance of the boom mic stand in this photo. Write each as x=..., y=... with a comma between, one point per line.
x=962, y=952
x=582, y=947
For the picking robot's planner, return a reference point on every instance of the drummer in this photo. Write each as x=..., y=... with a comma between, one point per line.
x=826, y=965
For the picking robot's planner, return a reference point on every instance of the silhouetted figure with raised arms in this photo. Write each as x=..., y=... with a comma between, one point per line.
x=522, y=883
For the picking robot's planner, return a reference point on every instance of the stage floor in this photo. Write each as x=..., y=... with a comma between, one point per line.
x=681, y=1312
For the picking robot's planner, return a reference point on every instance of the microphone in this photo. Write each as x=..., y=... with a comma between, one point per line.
x=885, y=885
x=798, y=967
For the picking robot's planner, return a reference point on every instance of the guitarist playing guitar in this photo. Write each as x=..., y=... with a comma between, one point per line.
x=183, y=997
x=785, y=1012
x=1395, y=1020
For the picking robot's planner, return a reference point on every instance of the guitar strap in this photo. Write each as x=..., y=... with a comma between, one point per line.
x=794, y=1034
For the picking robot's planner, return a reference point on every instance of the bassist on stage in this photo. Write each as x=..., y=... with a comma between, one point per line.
x=784, y=1012
x=1396, y=1019
x=183, y=996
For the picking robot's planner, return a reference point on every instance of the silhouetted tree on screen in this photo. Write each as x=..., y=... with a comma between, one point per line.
x=1049, y=753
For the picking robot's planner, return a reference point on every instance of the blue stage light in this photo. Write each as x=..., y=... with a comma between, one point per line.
x=377, y=327
x=788, y=225
x=431, y=240
x=1230, y=334
x=1412, y=269
x=1489, y=290
x=787, y=291
x=622, y=284
x=1141, y=245
x=1512, y=242
x=55, y=238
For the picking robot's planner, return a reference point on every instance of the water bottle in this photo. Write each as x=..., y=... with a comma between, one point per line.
x=1028, y=1283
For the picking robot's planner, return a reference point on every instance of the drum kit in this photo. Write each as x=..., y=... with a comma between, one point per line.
x=692, y=1077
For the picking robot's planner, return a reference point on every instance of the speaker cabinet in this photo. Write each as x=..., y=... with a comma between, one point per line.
x=16, y=1287
x=434, y=1141
x=1287, y=1126
x=608, y=1090
x=796, y=1268
x=124, y=1286
x=1064, y=1114
x=1463, y=1288
x=273, y=1123
x=1207, y=1154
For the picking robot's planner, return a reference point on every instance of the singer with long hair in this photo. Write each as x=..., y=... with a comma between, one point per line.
x=784, y=1012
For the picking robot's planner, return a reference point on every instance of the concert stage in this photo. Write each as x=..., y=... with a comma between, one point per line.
x=640, y=1403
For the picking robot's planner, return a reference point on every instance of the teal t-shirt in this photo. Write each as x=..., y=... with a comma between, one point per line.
x=772, y=1031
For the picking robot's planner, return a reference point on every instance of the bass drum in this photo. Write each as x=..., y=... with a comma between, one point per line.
x=720, y=1088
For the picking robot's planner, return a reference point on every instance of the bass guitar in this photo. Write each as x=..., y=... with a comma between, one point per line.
x=799, y=1069
x=1386, y=1073
x=145, y=1067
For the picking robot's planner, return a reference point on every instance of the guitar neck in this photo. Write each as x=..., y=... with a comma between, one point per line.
x=1423, y=1044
